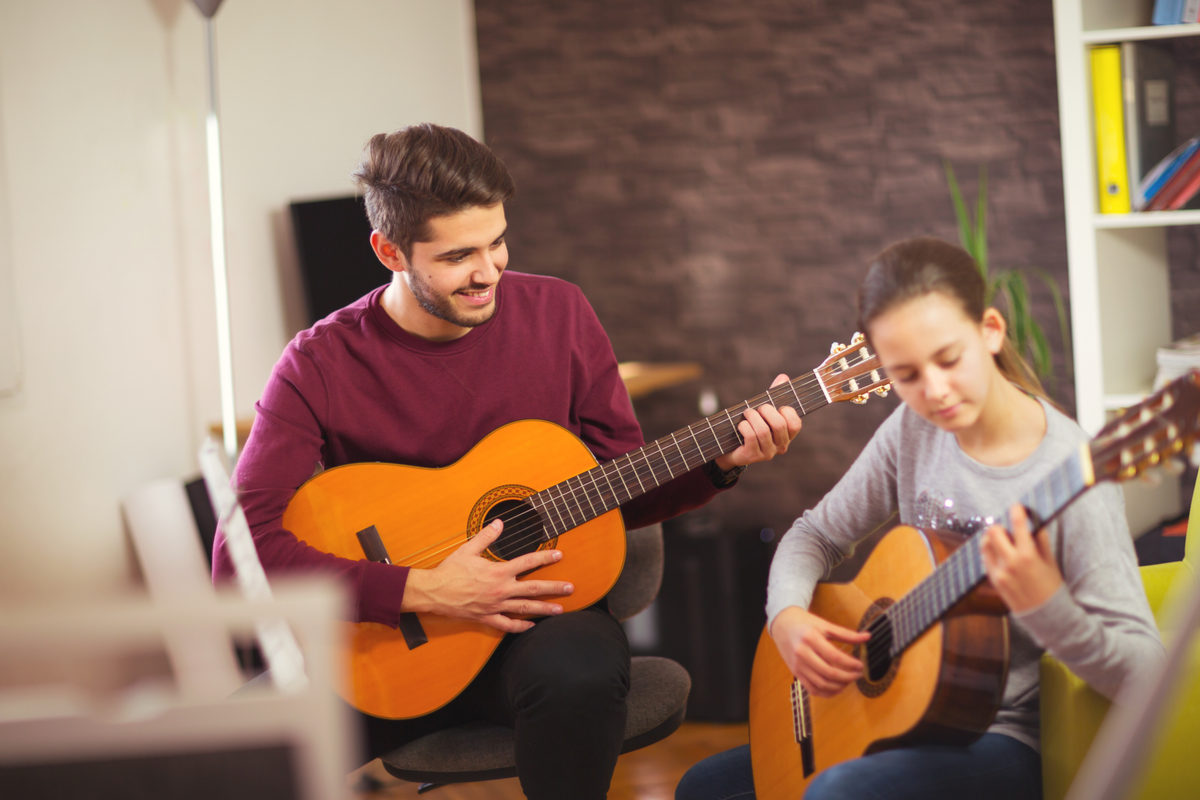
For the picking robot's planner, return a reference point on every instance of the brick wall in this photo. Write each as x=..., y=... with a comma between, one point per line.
x=716, y=175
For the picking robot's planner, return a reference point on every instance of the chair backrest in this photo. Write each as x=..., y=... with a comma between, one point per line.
x=639, y=582
x=1162, y=580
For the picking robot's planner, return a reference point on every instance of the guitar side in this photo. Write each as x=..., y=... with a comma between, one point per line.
x=422, y=515
x=945, y=687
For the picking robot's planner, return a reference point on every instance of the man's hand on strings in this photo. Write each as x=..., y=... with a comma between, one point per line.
x=468, y=585
x=766, y=432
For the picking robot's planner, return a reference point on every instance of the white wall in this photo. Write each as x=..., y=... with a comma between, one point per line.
x=101, y=138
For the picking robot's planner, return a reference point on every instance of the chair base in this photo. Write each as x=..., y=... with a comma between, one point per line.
x=657, y=705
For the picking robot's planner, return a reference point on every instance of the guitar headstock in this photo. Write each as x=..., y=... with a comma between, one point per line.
x=1159, y=428
x=851, y=372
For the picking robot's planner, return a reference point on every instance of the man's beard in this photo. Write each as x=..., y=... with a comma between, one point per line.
x=443, y=308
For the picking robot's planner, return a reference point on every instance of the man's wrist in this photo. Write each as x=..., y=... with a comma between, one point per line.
x=723, y=478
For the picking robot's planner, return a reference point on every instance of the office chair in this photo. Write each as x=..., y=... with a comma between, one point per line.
x=658, y=691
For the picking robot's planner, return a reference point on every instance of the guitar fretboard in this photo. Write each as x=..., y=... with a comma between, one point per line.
x=572, y=502
x=963, y=570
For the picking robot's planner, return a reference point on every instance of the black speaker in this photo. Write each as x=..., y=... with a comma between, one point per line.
x=333, y=245
x=709, y=612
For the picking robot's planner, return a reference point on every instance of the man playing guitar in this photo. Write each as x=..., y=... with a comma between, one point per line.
x=417, y=373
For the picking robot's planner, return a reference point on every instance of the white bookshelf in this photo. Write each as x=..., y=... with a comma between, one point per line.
x=1117, y=263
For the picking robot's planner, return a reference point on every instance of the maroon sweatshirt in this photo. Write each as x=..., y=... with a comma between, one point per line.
x=356, y=387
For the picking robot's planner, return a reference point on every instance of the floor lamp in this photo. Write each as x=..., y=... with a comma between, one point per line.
x=216, y=204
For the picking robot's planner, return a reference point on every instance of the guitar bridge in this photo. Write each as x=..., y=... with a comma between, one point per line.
x=375, y=550
x=802, y=726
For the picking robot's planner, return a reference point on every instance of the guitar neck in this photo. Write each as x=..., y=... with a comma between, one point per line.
x=963, y=570
x=572, y=502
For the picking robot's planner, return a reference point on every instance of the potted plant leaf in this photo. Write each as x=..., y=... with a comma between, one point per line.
x=1009, y=284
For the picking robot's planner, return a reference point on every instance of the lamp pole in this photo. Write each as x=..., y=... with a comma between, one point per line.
x=216, y=205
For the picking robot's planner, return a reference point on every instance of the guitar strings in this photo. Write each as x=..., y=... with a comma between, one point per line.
x=525, y=529
x=938, y=592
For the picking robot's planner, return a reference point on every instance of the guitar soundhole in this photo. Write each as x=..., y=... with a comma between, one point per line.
x=523, y=531
x=878, y=663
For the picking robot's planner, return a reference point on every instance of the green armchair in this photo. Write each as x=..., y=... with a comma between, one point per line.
x=1072, y=712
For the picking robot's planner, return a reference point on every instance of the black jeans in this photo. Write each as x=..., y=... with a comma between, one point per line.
x=561, y=686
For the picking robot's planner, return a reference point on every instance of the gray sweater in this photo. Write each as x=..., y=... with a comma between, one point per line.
x=1099, y=624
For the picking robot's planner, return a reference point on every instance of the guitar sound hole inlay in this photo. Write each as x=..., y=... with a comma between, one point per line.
x=879, y=665
x=523, y=529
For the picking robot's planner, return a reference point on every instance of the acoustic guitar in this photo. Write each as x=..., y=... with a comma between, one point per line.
x=936, y=662
x=544, y=483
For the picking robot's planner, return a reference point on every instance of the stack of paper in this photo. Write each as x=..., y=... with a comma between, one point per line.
x=1177, y=358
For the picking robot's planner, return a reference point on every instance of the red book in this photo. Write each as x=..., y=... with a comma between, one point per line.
x=1180, y=188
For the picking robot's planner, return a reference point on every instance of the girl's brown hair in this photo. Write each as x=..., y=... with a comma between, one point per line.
x=916, y=267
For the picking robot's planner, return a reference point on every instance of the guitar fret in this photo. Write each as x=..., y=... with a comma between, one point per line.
x=682, y=454
x=666, y=463
x=582, y=488
x=624, y=485
x=1073, y=482
x=558, y=507
x=937, y=601
x=733, y=425
x=954, y=576
x=541, y=501
x=589, y=492
x=792, y=385
x=571, y=498
x=633, y=469
x=960, y=572
x=713, y=431
x=561, y=504
x=599, y=490
x=1059, y=483
x=699, y=448
x=972, y=566
x=649, y=467
x=575, y=498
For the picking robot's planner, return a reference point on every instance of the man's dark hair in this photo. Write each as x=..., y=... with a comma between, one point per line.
x=424, y=171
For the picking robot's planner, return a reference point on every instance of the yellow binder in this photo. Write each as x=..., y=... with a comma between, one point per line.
x=1112, y=171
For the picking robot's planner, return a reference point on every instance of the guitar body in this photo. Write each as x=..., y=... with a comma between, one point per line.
x=546, y=486
x=945, y=687
x=422, y=515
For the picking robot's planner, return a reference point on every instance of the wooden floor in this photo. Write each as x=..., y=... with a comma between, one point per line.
x=647, y=774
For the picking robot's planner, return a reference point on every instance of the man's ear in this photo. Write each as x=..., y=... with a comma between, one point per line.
x=994, y=328
x=388, y=254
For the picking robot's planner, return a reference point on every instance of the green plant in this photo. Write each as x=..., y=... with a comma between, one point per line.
x=1010, y=284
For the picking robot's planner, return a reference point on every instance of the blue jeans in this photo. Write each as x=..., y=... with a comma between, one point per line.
x=993, y=767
